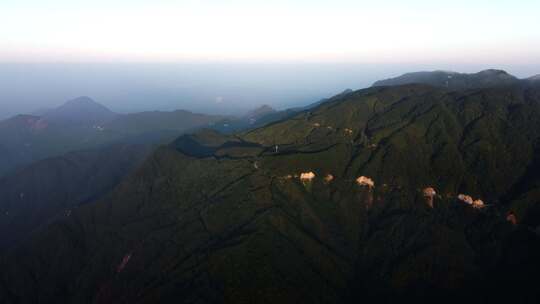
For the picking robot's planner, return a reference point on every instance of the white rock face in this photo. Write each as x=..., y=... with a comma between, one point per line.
x=466, y=199
x=429, y=193
x=511, y=217
x=307, y=176
x=365, y=181
x=328, y=178
x=478, y=204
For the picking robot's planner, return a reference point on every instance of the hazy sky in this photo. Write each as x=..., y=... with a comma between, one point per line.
x=427, y=31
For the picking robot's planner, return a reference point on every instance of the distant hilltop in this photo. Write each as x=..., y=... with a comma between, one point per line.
x=454, y=80
x=81, y=110
x=534, y=78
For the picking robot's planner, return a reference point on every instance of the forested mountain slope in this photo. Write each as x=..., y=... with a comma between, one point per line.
x=355, y=200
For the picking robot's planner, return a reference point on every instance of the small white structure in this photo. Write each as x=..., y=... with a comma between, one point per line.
x=316, y=125
x=348, y=131
x=365, y=181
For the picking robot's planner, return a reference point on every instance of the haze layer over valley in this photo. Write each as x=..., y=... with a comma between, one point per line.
x=209, y=88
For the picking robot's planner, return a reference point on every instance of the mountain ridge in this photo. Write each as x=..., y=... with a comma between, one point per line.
x=284, y=202
x=453, y=80
x=72, y=127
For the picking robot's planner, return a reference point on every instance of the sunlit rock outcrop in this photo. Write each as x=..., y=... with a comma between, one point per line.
x=328, y=178
x=478, y=204
x=307, y=176
x=466, y=199
x=429, y=193
x=365, y=181
x=511, y=217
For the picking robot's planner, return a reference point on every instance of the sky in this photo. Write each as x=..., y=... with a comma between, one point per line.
x=229, y=56
x=489, y=31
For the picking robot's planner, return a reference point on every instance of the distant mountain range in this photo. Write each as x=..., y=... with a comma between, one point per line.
x=84, y=124
x=399, y=193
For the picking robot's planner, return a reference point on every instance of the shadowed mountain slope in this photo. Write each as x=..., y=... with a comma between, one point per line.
x=217, y=218
x=48, y=189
